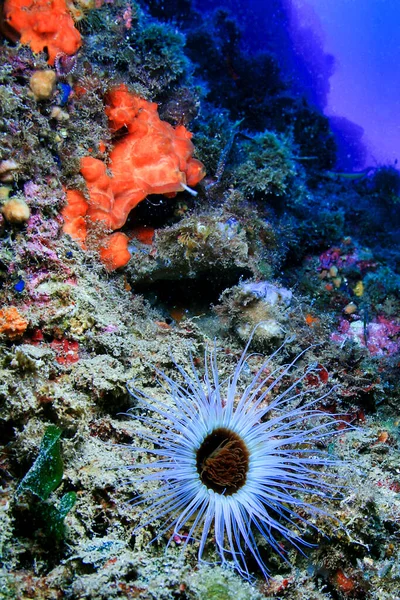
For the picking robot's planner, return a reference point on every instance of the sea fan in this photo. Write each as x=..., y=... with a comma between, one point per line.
x=233, y=460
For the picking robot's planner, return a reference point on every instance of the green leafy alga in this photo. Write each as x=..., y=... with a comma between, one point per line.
x=43, y=478
x=46, y=473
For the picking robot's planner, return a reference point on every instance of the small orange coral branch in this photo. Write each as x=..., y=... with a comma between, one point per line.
x=42, y=24
x=152, y=158
x=12, y=323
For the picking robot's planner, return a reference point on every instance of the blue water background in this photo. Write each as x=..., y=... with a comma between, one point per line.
x=344, y=56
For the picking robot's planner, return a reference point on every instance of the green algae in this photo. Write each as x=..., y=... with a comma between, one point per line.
x=53, y=517
x=43, y=478
x=268, y=167
x=46, y=472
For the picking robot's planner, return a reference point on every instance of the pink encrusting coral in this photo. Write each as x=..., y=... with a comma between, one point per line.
x=380, y=337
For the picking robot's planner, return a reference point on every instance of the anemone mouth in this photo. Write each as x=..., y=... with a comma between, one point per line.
x=222, y=461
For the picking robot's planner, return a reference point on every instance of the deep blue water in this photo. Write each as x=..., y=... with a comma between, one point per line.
x=344, y=57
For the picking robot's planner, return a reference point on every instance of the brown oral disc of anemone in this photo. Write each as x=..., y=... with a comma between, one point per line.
x=222, y=461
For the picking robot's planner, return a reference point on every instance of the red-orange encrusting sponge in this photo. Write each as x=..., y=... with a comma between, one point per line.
x=152, y=158
x=12, y=324
x=42, y=24
x=74, y=216
x=114, y=253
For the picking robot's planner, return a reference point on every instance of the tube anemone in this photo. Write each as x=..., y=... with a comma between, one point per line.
x=234, y=460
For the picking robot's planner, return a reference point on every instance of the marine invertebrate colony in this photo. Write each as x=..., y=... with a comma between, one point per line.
x=16, y=211
x=42, y=84
x=153, y=158
x=42, y=24
x=12, y=324
x=232, y=459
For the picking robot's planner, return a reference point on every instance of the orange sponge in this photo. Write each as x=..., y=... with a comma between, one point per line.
x=114, y=253
x=43, y=24
x=152, y=158
x=74, y=216
x=12, y=324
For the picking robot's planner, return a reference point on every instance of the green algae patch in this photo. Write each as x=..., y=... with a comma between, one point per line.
x=53, y=516
x=42, y=479
x=46, y=473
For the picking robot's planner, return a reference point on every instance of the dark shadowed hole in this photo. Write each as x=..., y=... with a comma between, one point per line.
x=194, y=295
x=222, y=461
